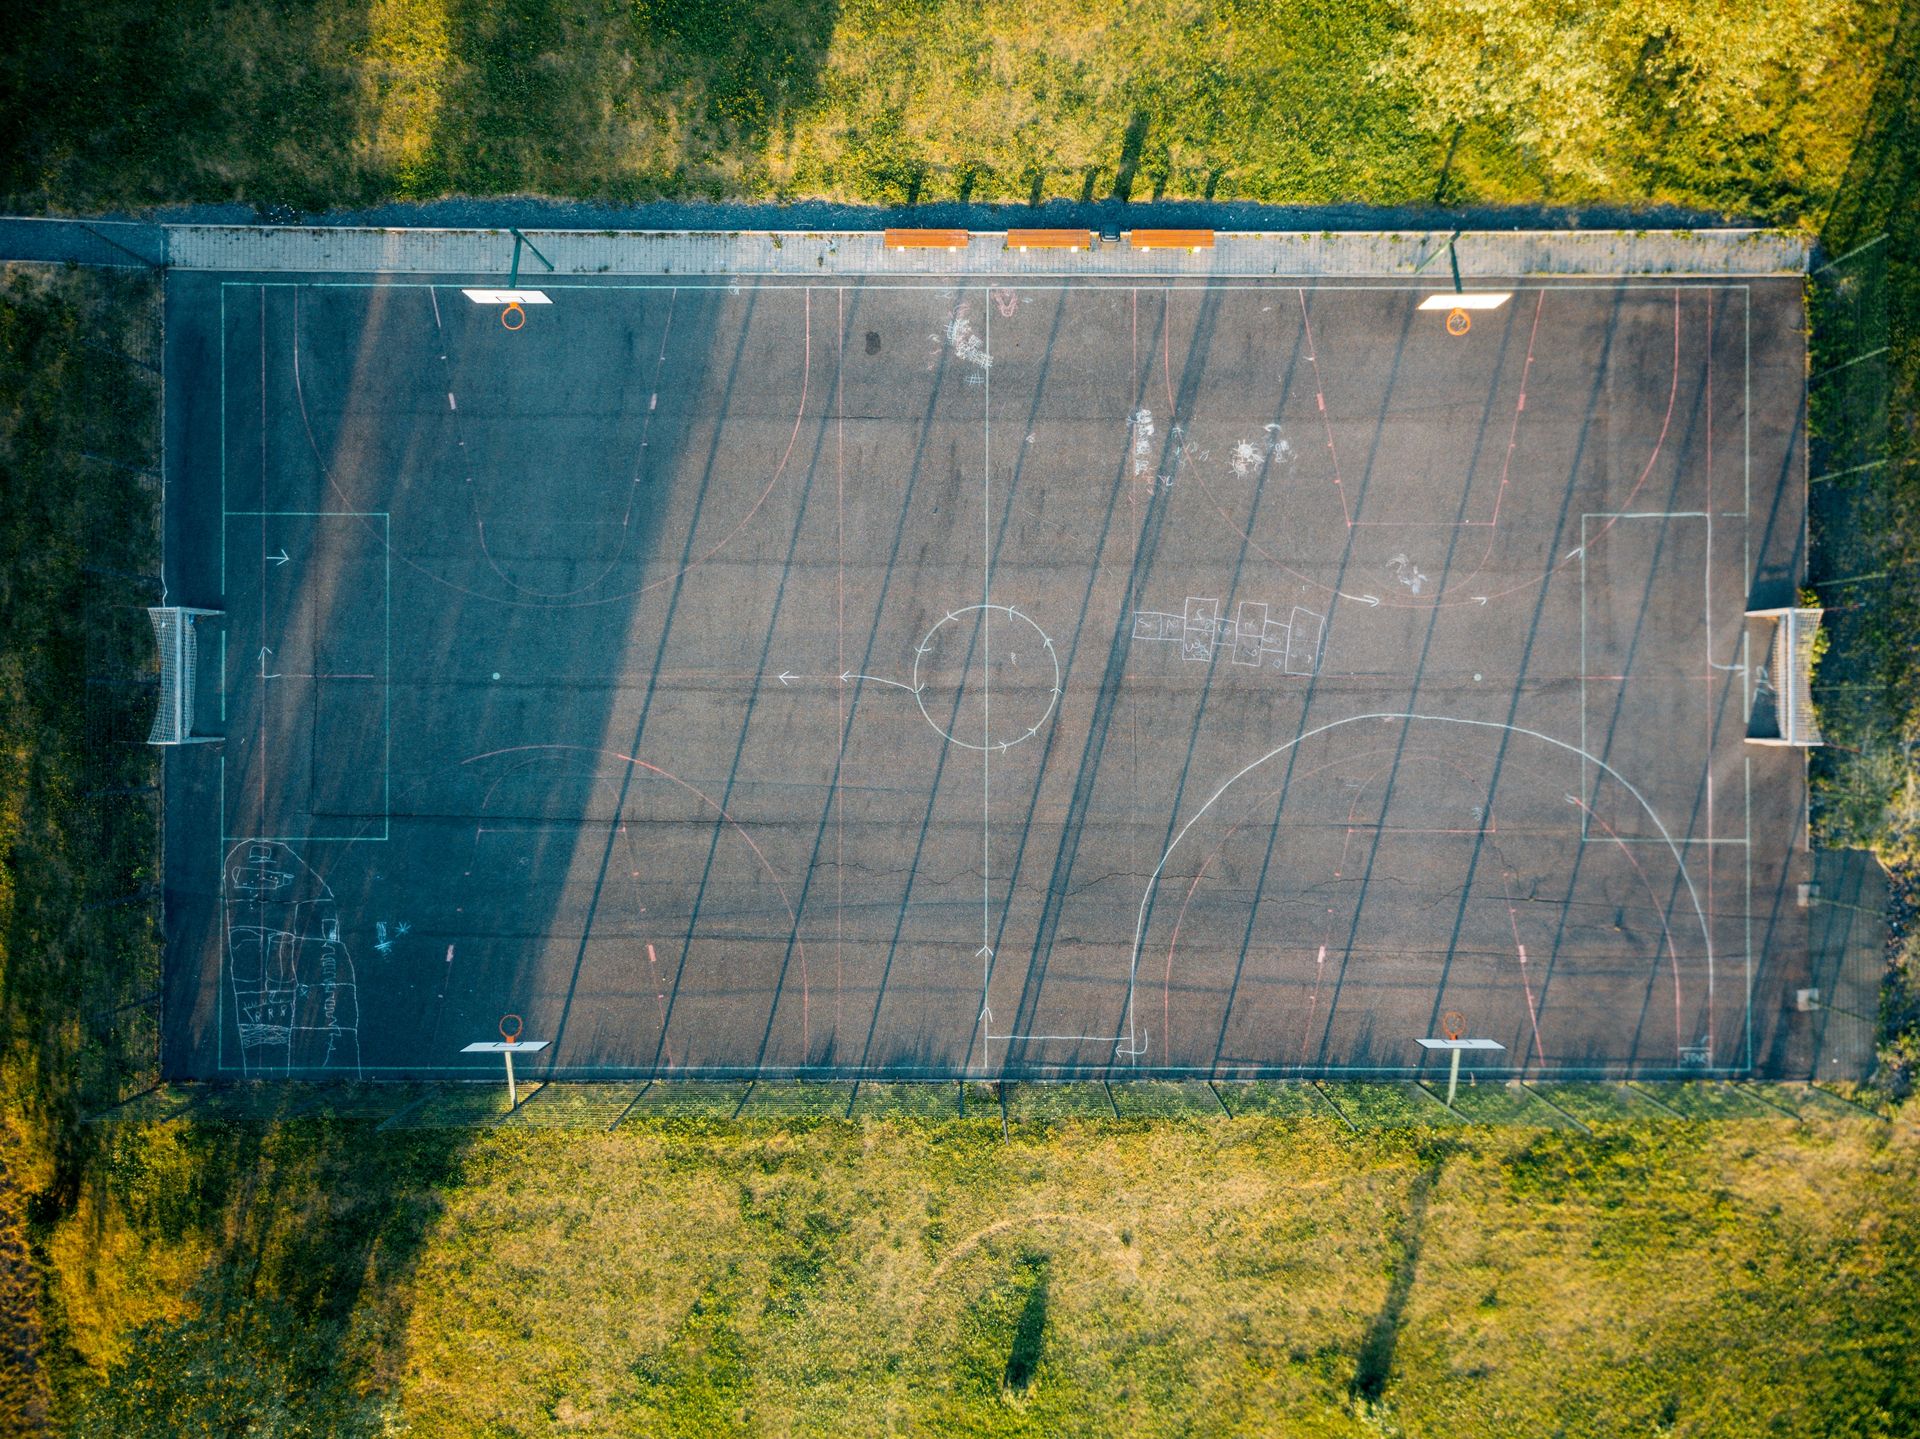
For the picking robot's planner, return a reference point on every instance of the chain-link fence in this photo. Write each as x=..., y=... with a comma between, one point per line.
x=1856, y=564
x=1358, y=1107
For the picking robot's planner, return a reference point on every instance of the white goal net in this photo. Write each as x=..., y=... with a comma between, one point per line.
x=173, y=633
x=1789, y=671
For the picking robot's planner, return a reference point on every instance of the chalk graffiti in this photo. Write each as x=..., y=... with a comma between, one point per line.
x=1404, y=570
x=967, y=344
x=296, y=1001
x=1140, y=429
x=1249, y=638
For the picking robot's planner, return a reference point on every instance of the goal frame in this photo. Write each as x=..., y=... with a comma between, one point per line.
x=174, y=636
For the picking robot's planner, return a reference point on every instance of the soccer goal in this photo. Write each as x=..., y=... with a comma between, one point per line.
x=1790, y=672
x=173, y=633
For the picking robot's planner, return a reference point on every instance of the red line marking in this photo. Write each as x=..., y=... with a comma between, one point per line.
x=1319, y=385
x=800, y=945
x=1533, y=1014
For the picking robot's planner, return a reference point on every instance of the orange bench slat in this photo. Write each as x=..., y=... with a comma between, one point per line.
x=1171, y=239
x=1049, y=239
x=926, y=239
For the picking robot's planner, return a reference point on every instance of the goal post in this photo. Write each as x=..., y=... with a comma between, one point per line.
x=174, y=635
x=1796, y=631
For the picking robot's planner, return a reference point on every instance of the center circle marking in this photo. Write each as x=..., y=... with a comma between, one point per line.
x=926, y=657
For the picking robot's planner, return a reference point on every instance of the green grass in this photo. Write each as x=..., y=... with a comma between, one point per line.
x=341, y=102
x=685, y=1276
x=220, y=1267
x=78, y=955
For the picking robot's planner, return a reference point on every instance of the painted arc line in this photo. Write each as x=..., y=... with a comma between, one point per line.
x=918, y=687
x=1135, y=1044
x=507, y=297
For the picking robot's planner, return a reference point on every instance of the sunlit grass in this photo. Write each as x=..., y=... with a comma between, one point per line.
x=693, y=1275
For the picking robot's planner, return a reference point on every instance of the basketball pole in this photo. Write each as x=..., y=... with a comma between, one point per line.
x=513, y=1095
x=1453, y=1077
x=513, y=277
x=1453, y=1028
x=506, y=1046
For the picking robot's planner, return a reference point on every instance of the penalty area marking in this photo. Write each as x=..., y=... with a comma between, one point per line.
x=1132, y=1043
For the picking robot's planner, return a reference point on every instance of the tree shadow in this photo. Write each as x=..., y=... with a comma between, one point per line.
x=1029, y=1334
x=1375, y=1365
x=1130, y=147
x=316, y=1233
x=518, y=114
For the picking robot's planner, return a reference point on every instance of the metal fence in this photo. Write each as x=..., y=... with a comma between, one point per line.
x=1855, y=558
x=1345, y=1105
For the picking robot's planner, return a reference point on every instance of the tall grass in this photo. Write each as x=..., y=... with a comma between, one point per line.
x=688, y=1277
x=1746, y=107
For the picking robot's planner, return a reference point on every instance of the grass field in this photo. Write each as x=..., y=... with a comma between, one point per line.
x=79, y=422
x=1276, y=1273
x=682, y=1276
x=1743, y=108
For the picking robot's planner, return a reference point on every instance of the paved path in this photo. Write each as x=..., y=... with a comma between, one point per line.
x=413, y=250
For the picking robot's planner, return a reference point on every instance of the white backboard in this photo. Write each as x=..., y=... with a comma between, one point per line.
x=507, y=297
x=1455, y=300
x=498, y=1046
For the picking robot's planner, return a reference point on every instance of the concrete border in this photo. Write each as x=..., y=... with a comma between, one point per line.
x=1481, y=255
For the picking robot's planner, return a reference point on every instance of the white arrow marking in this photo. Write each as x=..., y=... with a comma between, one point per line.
x=785, y=677
x=264, y=652
x=985, y=951
x=1368, y=600
x=279, y=559
x=1479, y=599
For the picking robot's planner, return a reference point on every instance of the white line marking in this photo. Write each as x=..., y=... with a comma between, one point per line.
x=1132, y=1042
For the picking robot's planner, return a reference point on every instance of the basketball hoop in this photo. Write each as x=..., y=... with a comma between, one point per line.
x=1453, y=1024
x=1458, y=322
x=510, y=1028
x=514, y=317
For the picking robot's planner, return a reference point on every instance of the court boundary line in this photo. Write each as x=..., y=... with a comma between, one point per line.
x=1252, y=284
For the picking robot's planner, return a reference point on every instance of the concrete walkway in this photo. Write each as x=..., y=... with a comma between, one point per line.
x=1482, y=255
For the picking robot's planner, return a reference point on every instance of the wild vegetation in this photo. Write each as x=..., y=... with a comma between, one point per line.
x=288, y=1275
x=1747, y=108
x=1865, y=517
x=702, y=1277
x=78, y=845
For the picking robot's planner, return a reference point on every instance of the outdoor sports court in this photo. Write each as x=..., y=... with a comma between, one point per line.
x=897, y=676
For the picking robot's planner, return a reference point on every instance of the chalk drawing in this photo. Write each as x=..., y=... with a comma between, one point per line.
x=966, y=344
x=1007, y=302
x=1406, y=572
x=1140, y=427
x=296, y=1001
x=1250, y=638
x=384, y=938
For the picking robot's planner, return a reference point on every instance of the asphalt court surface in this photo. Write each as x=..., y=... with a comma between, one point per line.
x=901, y=678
